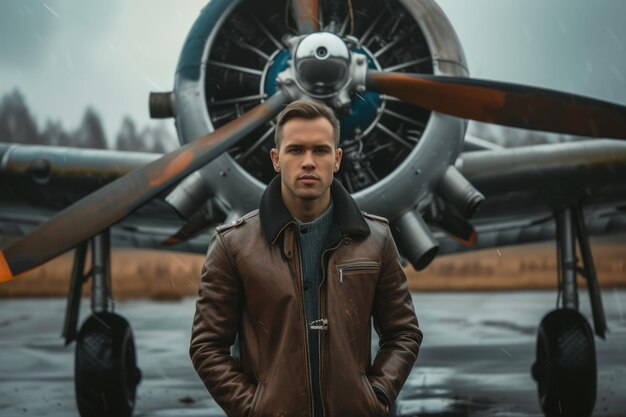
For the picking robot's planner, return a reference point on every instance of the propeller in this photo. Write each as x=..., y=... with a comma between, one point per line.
x=121, y=197
x=505, y=104
x=305, y=13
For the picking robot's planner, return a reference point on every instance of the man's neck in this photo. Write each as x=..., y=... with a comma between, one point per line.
x=306, y=210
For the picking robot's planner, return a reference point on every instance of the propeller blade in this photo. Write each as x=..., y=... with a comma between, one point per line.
x=118, y=199
x=306, y=15
x=505, y=104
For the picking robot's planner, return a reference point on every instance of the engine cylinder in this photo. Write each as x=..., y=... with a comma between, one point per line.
x=459, y=192
x=161, y=105
x=189, y=195
x=415, y=240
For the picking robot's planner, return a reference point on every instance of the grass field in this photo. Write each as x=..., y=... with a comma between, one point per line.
x=162, y=275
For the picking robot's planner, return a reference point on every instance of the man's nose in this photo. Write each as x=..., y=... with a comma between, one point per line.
x=308, y=161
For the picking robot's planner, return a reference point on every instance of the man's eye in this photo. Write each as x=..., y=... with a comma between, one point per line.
x=295, y=150
x=322, y=150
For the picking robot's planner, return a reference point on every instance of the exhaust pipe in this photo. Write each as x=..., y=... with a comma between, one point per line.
x=189, y=195
x=415, y=240
x=459, y=193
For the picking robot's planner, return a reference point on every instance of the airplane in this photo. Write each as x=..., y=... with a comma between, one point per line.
x=395, y=73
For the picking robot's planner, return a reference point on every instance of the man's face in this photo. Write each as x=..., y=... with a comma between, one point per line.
x=307, y=158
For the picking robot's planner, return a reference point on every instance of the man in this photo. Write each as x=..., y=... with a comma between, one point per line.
x=294, y=285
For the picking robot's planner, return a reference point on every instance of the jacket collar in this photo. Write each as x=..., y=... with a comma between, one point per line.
x=347, y=218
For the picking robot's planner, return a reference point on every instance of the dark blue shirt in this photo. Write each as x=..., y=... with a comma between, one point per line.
x=311, y=239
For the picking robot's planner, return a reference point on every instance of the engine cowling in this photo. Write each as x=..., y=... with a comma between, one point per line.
x=394, y=154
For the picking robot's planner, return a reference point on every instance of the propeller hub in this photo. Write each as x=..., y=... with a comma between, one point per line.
x=323, y=67
x=322, y=64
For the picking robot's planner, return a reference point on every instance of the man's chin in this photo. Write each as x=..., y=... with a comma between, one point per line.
x=309, y=196
x=309, y=193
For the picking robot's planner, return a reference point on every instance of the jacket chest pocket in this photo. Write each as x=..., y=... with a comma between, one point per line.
x=344, y=270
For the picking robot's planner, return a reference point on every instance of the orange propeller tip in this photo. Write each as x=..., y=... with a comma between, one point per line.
x=172, y=240
x=467, y=242
x=473, y=239
x=5, y=271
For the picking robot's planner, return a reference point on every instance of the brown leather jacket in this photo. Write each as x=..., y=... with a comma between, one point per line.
x=251, y=294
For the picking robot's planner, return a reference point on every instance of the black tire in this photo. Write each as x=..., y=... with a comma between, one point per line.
x=105, y=369
x=565, y=370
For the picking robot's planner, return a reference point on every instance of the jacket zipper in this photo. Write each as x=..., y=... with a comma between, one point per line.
x=319, y=309
x=255, y=399
x=306, y=325
x=356, y=266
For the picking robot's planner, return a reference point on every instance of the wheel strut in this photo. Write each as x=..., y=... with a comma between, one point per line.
x=589, y=272
x=101, y=299
x=101, y=296
x=566, y=252
x=73, y=295
x=566, y=368
x=570, y=229
x=105, y=368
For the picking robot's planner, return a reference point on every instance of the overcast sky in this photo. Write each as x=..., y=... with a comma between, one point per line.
x=65, y=55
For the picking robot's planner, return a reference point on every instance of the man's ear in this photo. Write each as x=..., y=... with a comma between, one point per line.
x=274, y=157
x=338, y=156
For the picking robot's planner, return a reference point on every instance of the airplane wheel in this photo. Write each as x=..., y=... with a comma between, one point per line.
x=105, y=371
x=565, y=370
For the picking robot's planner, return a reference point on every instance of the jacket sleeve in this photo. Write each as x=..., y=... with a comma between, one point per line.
x=215, y=324
x=396, y=325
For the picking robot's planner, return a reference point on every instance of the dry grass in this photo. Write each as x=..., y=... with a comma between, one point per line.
x=135, y=273
x=520, y=267
x=169, y=275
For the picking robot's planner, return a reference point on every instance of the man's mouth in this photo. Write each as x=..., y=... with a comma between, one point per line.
x=308, y=179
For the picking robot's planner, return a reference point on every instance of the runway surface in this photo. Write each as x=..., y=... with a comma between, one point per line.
x=475, y=359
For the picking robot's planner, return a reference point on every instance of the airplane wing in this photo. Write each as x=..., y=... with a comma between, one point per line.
x=524, y=186
x=38, y=181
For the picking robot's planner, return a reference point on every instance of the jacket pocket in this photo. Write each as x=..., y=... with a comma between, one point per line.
x=375, y=402
x=356, y=266
x=255, y=400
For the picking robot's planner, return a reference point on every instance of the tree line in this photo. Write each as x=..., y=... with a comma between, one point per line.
x=17, y=125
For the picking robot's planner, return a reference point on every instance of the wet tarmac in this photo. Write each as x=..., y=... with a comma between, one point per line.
x=475, y=360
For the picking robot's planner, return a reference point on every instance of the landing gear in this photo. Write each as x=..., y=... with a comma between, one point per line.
x=105, y=368
x=566, y=370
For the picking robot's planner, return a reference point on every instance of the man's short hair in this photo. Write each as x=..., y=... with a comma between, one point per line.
x=305, y=109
